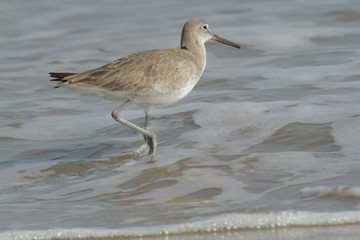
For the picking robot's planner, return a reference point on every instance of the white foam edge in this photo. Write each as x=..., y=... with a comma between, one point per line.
x=221, y=223
x=339, y=191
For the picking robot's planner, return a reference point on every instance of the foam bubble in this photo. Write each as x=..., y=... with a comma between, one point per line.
x=221, y=223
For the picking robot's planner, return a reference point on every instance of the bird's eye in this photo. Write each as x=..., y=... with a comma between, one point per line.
x=205, y=27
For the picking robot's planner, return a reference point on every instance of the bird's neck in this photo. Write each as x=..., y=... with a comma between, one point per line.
x=193, y=46
x=197, y=50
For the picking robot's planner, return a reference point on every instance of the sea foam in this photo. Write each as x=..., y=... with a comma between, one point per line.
x=221, y=223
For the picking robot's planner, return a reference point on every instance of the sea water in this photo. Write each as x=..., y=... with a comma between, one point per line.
x=265, y=145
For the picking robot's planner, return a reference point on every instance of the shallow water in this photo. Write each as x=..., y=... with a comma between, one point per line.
x=268, y=139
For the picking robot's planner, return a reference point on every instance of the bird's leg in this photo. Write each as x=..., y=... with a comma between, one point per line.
x=146, y=126
x=150, y=141
x=150, y=138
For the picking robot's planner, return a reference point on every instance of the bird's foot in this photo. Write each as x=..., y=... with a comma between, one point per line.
x=151, y=143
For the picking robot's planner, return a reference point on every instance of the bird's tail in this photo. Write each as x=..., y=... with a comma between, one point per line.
x=59, y=77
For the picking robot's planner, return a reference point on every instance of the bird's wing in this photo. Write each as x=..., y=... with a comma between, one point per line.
x=136, y=72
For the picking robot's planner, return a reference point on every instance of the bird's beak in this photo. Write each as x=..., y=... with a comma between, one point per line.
x=224, y=41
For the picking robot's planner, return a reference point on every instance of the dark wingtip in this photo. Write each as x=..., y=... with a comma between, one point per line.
x=59, y=76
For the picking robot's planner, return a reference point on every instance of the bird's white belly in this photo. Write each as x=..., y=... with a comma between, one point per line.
x=161, y=98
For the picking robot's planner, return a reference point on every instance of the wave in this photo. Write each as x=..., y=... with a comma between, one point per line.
x=222, y=223
x=338, y=191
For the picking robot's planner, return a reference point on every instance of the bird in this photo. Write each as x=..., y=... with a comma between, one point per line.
x=151, y=78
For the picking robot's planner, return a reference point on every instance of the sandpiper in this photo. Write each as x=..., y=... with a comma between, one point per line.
x=150, y=78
